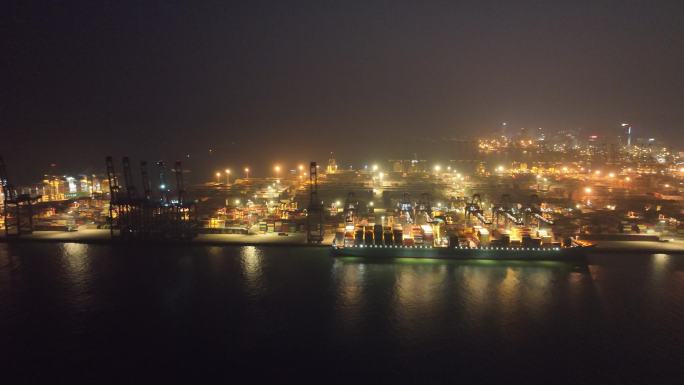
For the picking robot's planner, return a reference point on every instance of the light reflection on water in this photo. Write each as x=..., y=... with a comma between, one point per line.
x=482, y=294
x=298, y=307
x=251, y=261
x=75, y=259
x=75, y=262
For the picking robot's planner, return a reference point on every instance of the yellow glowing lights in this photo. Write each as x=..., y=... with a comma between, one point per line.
x=277, y=168
x=597, y=172
x=611, y=175
x=228, y=171
x=500, y=169
x=375, y=167
x=301, y=167
x=587, y=190
x=438, y=167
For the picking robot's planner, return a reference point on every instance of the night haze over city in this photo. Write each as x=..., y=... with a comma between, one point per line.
x=262, y=82
x=342, y=192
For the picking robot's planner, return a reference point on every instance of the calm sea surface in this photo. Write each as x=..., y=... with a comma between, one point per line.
x=73, y=313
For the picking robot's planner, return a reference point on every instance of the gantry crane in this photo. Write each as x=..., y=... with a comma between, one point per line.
x=533, y=211
x=17, y=208
x=314, y=215
x=474, y=208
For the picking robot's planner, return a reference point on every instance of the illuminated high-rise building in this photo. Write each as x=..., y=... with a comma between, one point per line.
x=332, y=165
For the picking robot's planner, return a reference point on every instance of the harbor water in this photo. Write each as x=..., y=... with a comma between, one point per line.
x=76, y=313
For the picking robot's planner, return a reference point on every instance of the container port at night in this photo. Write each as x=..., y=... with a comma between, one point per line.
x=560, y=188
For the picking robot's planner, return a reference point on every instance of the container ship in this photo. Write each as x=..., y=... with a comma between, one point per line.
x=574, y=252
x=505, y=234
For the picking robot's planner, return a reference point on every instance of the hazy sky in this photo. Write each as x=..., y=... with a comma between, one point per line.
x=286, y=80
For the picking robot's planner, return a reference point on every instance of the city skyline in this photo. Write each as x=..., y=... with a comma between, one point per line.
x=204, y=165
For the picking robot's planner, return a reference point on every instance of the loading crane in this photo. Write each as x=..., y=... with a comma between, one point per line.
x=505, y=210
x=146, y=183
x=128, y=178
x=533, y=210
x=163, y=185
x=17, y=208
x=351, y=206
x=144, y=218
x=180, y=186
x=473, y=208
x=405, y=208
x=424, y=208
x=314, y=217
x=113, y=192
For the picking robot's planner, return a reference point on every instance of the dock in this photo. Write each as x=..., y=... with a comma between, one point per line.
x=100, y=236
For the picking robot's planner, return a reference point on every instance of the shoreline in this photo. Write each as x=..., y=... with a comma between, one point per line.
x=102, y=237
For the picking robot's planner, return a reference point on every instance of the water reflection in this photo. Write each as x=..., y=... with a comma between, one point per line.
x=660, y=273
x=419, y=296
x=251, y=259
x=661, y=264
x=75, y=259
x=7, y=265
x=76, y=264
x=350, y=284
x=482, y=294
x=509, y=292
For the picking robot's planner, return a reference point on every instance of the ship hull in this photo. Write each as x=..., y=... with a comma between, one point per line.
x=492, y=253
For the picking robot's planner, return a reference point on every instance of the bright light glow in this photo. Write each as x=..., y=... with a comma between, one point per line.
x=500, y=168
x=337, y=203
x=375, y=167
x=381, y=175
x=246, y=169
x=227, y=171
x=218, y=174
x=277, y=168
x=627, y=179
x=237, y=201
x=301, y=167
x=371, y=203
x=611, y=175
x=438, y=167
x=587, y=190
x=565, y=169
x=597, y=172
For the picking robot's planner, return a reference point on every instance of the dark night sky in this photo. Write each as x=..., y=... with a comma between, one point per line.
x=284, y=80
